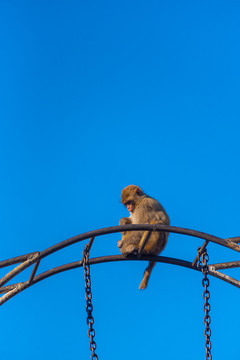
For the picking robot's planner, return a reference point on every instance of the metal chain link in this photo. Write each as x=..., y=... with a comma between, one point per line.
x=89, y=307
x=203, y=260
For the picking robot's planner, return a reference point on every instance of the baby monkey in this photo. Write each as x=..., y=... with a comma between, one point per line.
x=143, y=210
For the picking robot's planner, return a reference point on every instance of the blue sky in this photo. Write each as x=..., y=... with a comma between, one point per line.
x=96, y=96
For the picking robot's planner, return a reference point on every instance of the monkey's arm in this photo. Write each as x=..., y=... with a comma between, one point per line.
x=123, y=221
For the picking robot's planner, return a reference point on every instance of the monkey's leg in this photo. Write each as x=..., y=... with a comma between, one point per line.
x=130, y=243
x=146, y=275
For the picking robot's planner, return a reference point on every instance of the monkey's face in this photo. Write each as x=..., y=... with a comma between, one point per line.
x=130, y=196
x=130, y=206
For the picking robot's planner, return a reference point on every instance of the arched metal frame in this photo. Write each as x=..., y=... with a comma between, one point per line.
x=34, y=258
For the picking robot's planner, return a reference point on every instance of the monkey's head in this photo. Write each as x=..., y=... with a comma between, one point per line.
x=130, y=197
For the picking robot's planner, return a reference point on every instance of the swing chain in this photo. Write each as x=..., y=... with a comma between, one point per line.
x=89, y=307
x=203, y=260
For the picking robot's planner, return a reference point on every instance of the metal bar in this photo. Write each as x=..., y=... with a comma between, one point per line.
x=33, y=257
x=226, y=265
x=18, y=269
x=113, y=258
x=200, y=252
x=90, y=243
x=235, y=239
x=98, y=260
x=34, y=271
x=113, y=229
x=224, y=277
x=5, y=289
x=20, y=287
x=17, y=259
x=145, y=237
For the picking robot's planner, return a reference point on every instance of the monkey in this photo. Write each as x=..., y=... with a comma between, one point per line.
x=143, y=209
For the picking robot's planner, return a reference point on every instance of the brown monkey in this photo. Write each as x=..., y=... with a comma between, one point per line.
x=143, y=210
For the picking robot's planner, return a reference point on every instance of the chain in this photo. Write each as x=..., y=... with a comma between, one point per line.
x=89, y=307
x=203, y=260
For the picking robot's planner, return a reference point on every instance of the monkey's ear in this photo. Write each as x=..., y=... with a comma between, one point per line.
x=138, y=191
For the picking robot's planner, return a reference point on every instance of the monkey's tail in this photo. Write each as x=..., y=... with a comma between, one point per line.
x=146, y=275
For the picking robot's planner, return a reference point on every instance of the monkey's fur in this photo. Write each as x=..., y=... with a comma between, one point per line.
x=143, y=210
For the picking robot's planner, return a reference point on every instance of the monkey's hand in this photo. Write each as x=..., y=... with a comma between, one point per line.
x=119, y=244
x=125, y=221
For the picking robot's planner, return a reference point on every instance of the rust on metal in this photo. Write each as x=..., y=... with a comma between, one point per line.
x=200, y=251
x=226, y=265
x=17, y=259
x=223, y=277
x=32, y=259
x=17, y=289
x=235, y=239
x=5, y=289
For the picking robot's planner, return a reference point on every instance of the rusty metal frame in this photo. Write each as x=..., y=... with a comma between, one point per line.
x=34, y=258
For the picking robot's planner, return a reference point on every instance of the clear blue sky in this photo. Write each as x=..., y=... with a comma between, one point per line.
x=96, y=96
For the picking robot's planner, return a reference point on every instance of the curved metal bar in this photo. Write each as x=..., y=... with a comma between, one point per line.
x=113, y=258
x=34, y=258
x=14, y=289
x=17, y=259
x=114, y=229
